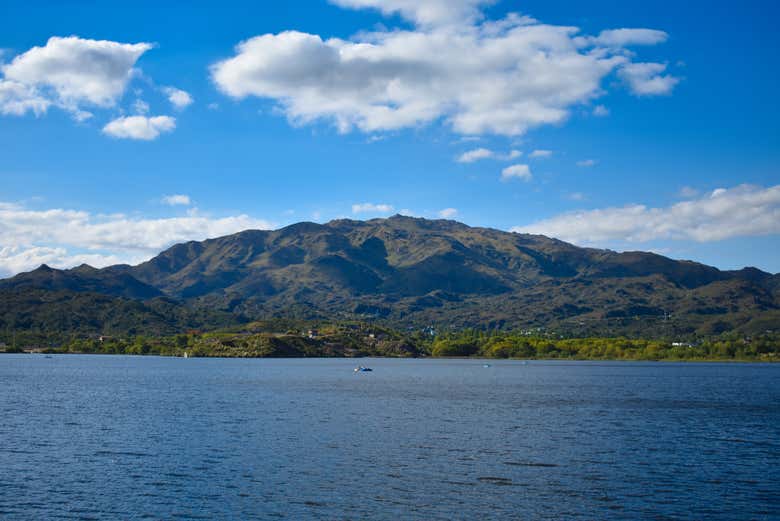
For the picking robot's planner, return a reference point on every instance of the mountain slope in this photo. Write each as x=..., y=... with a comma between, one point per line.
x=416, y=272
x=54, y=314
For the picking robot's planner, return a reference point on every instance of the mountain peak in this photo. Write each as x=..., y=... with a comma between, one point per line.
x=84, y=267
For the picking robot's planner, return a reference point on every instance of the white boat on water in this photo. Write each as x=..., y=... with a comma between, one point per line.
x=361, y=369
x=186, y=355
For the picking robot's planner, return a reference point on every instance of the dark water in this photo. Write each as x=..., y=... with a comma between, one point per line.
x=109, y=437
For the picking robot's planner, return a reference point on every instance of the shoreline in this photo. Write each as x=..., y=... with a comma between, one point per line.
x=463, y=358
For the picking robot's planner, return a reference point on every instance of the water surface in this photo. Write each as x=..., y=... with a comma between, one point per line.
x=119, y=437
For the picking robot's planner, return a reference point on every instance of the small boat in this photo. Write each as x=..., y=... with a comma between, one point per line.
x=186, y=355
x=48, y=356
x=361, y=369
x=486, y=365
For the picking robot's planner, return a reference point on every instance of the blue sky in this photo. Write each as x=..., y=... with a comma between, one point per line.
x=662, y=138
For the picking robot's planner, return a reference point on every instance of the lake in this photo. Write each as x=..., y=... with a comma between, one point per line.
x=120, y=437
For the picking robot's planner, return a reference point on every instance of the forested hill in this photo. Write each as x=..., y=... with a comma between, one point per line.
x=401, y=271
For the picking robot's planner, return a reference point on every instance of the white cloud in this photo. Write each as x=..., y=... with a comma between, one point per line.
x=448, y=213
x=75, y=74
x=478, y=154
x=687, y=192
x=541, y=154
x=475, y=155
x=576, y=196
x=423, y=12
x=600, y=111
x=587, y=163
x=177, y=200
x=14, y=259
x=741, y=211
x=17, y=99
x=66, y=238
x=646, y=79
x=140, y=127
x=180, y=99
x=627, y=37
x=516, y=171
x=69, y=73
x=480, y=77
x=372, y=208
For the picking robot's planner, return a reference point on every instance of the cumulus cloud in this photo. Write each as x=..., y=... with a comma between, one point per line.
x=540, y=154
x=479, y=76
x=628, y=37
x=177, y=200
x=372, y=208
x=180, y=99
x=139, y=127
x=587, y=163
x=724, y=213
x=448, y=213
x=600, y=111
x=68, y=73
x=479, y=154
x=647, y=79
x=80, y=75
x=516, y=172
x=65, y=238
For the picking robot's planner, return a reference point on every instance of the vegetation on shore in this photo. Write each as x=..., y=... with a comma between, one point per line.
x=291, y=338
x=512, y=345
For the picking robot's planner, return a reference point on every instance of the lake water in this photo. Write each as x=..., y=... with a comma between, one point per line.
x=115, y=437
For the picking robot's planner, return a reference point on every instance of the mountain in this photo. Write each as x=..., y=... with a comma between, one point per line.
x=414, y=272
x=84, y=279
